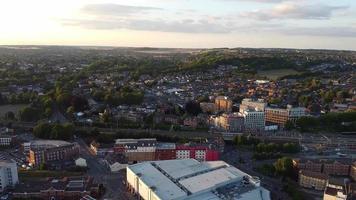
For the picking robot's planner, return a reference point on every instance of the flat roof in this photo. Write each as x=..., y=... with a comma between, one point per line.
x=152, y=177
x=194, y=180
x=210, y=179
x=56, y=143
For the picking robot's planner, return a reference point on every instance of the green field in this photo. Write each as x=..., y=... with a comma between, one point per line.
x=13, y=108
x=275, y=74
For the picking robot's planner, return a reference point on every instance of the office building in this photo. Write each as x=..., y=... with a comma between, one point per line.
x=280, y=116
x=223, y=103
x=254, y=120
x=248, y=104
x=8, y=175
x=233, y=122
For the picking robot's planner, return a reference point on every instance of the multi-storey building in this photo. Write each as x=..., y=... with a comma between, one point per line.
x=281, y=116
x=353, y=171
x=68, y=188
x=328, y=167
x=5, y=140
x=8, y=175
x=137, y=150
x=336, y=189
x=336, y=168
x=198, y=152
x=223, y=103
x=207, y=107
x=165, y=151
x=48, y=155
x=254, y=120
x=230, y=122
x=247, y=104
x=314, y=180
x=308, y=165
x=42, y=144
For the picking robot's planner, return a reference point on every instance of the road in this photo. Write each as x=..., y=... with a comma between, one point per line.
x=232, y=156
x=113, y=182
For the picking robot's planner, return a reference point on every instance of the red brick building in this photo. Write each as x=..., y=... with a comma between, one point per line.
x=53, y=154
x=73, y=188
x=336, y=168
x=308, y=165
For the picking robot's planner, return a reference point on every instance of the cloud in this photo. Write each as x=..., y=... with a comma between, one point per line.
x=260, y=1
x=179, y=26
x=116, y=9
x=116, y=16
x=289, y=10
x=322, y=31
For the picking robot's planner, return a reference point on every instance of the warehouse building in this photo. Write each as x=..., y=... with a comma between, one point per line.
x=190, y=179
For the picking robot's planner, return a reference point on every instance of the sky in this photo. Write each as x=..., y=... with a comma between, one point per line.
x=317, y=24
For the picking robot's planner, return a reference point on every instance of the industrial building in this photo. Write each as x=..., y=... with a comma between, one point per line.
x=190, y=179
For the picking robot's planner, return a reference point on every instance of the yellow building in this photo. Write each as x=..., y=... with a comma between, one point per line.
x=312, y=180
x=223, y=103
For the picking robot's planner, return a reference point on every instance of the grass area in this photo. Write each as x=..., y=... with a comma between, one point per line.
x=275, y=74
x=44, y=174
x=13, y=108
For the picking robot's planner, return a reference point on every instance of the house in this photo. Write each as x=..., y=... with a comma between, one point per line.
x=81, y=162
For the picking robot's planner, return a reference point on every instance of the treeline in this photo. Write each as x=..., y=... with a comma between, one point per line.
x=110, y=138
x=334, y=122
x=251, y=64
x=266, y=150
x=123, y=96
x=20, y=98
x=54, y=131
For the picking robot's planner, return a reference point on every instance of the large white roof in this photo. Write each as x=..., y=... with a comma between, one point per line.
x=210, y=179
x=152, y=177
x=190, y=179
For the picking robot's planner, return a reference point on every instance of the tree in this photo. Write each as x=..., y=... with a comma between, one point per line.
x=43, y=166
x=284, y=167
x=48, y=112
x=193, y=108
x=29, y=114
x=307, y=123
x=289, y=125
x=67, y=131
x=9, y=115
x=42, y=130
x=70, y=110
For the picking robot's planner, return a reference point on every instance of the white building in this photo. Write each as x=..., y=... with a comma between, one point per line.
x=81, y=162
x=336, y=189
x=8, y=174
x=254, y=120
x=248, y=104
x=190, y=179
x=5, y=140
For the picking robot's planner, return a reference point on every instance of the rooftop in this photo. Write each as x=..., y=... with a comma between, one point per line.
x=54, y=143
x=190, y=179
